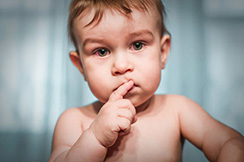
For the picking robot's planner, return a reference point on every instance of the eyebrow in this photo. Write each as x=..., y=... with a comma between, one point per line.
x=141, y=33
x=131, y=35
x=92, y=40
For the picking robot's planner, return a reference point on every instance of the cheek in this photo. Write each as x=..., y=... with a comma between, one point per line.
x=98, y=81
x=152, y=64
x=152, y=72
x=153, y=79
x=99, y=88
x=102, y=94
x=94, y=72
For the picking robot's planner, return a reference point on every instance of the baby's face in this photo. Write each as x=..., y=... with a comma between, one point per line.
x=119, y=49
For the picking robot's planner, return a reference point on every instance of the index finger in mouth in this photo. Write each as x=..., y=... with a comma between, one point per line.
x=121, y=91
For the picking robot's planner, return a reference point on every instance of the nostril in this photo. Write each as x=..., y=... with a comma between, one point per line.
x=119, y=72
x=121, y=66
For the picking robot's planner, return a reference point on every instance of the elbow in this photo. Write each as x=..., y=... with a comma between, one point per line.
x=236, y=144
x=232, y=150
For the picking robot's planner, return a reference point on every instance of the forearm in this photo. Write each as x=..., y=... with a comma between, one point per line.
x=232, y=150
x=87, y=148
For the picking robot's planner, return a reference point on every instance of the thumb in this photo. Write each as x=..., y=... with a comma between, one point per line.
x=121, y=91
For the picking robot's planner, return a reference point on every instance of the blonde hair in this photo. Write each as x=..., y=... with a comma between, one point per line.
x=125, y=7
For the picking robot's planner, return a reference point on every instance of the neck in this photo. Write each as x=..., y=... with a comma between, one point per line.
x=145, y=105
x=98, y=105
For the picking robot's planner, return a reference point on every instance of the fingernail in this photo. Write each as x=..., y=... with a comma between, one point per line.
x=131, y=82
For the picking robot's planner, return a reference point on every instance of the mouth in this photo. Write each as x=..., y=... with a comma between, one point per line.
x=133, y=87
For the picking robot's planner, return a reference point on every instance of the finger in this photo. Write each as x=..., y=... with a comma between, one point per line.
x=126, y=114
x=126, y=104
x=124, y=126
x=134, y=119
x=121, y=91
x=127, y=107
x=129, y=117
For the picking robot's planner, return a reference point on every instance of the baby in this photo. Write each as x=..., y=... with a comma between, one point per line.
x=121, y=48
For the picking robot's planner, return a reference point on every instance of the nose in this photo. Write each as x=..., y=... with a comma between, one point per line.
x=121, y=64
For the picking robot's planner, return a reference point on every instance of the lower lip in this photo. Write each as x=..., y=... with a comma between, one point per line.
x=130, y=90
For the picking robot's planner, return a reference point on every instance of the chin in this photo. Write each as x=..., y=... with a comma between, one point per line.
x=137, y=100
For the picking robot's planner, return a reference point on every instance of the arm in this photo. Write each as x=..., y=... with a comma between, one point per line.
x=232, y=150
x=218, y=141
x=72, y=143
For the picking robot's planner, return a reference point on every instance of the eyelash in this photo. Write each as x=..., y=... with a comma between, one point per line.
x=98, y=51
x=138, y=42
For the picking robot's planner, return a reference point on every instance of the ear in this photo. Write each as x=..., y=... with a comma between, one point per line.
x=76, y=60
x=165, y=47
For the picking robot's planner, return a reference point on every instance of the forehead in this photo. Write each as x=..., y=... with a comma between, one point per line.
x=115, y=23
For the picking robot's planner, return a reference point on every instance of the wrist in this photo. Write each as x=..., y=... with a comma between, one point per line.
x=87, y=148
x=93, y=134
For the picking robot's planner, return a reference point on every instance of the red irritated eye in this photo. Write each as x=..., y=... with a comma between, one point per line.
x=101, y=52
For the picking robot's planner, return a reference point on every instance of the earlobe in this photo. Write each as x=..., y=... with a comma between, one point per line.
x=165, y=48
x=75, y=58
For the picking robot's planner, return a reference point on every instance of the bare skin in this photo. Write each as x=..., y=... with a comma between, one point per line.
x=129, y=122
x=143, y=139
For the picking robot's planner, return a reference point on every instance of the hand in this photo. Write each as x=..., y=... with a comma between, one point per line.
x=115, y=117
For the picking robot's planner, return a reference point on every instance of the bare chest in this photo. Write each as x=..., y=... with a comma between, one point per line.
x=149, y=140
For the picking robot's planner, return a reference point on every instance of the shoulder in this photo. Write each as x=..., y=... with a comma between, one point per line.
x=71, y=124
x=77, y=115
x=175, y=100
x=72, y=113
x=179, y=104
x=172, y=97
x=70, y=118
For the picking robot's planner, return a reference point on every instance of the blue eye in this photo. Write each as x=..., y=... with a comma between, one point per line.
x=101, y=52
x=137, y=46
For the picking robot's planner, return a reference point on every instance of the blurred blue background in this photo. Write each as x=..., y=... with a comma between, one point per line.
x=38, y=81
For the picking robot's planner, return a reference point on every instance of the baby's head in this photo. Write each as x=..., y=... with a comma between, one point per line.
x=117, y=41
x=125, y=7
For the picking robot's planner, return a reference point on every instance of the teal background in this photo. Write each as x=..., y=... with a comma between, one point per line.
x=38, y=81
